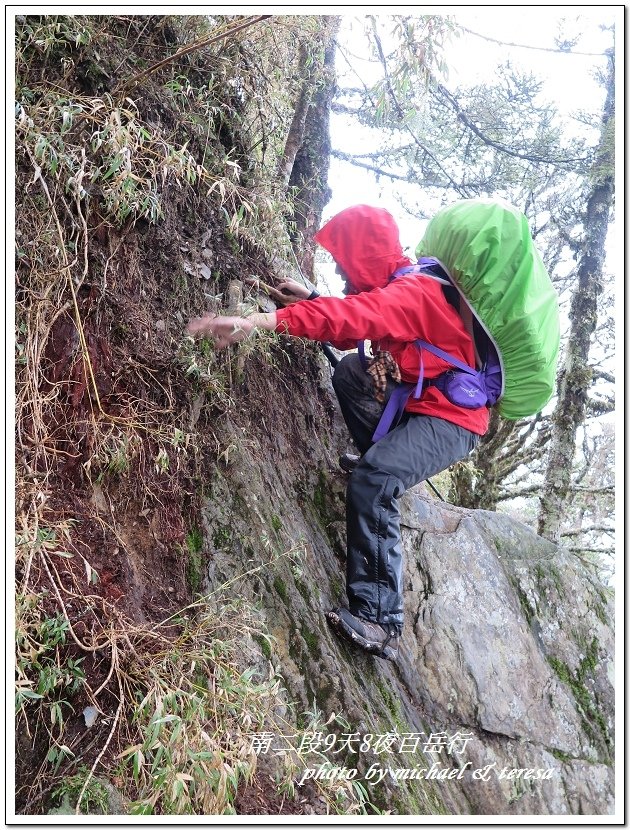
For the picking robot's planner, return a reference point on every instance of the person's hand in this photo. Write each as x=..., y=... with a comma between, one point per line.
x=294, y=290
x=223, y=330
x=286, y=293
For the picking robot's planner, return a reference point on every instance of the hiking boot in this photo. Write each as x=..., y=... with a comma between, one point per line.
x=376, y=639
x=348, y=462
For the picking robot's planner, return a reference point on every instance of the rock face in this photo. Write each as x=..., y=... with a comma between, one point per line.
x=501, y=701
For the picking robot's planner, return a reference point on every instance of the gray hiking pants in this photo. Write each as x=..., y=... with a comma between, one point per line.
x=419, y=447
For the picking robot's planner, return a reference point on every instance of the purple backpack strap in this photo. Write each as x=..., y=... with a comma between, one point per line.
x=424, y=262
x=422, y=344
x=393, y=410
x=362, y=357
x=398, y=399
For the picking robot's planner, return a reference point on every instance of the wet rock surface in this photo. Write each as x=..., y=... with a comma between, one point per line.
x=503, y=676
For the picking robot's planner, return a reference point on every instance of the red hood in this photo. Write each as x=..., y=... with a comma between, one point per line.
x=365, y=242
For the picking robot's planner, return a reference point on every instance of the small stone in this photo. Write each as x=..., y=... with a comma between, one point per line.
x=204, y=271
x=90, y=713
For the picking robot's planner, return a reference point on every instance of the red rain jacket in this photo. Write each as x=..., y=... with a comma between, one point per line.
x=364, y=241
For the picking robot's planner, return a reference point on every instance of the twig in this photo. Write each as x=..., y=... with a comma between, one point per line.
x=458, y=188
x=88, y=368
x=383, y=60
x=534, y=48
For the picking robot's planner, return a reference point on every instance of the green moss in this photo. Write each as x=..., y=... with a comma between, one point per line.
x=319, y=495
x=600, y=607
x=393, y=705
x=276, y=523
x=556, y=578
x=592, y=719
x=265, y=647
x=561, y=669
x=561, y=756
x=194, y=540
x=310, y=638
x=303, y=589
x=281, y=589
x=322, y=695
x=95, y=800
x=548, y=578
x=589, y=662
x=194, y=572
x=336, y=588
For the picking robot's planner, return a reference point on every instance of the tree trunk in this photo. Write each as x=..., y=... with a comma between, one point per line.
x=576, y=376
x=309, y=172
x=296, y=129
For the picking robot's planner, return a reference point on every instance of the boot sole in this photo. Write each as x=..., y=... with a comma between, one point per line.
x=340, y=627
x=348, y=466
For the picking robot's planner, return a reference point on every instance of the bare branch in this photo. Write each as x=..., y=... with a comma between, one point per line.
x=533, y=490
x=578, y=531
x=371, y=167
x=608, y=489
x=590, y=550
x=383, y=60
x=535, y=48
x=600, y=374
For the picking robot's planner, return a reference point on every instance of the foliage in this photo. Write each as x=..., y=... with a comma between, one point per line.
x=43, y=676
x=95, y=797
x=192, y=709
x=187, y=705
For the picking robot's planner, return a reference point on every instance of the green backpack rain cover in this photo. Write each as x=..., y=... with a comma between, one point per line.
x=487, y=248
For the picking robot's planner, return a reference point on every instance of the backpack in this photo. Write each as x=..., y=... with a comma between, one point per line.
x=484, y=250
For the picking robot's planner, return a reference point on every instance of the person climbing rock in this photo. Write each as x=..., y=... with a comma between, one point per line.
x=392, y=308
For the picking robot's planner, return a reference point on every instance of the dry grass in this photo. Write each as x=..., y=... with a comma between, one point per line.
x=185, y=705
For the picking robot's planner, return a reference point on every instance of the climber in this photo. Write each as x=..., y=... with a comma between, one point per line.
x=432, y=433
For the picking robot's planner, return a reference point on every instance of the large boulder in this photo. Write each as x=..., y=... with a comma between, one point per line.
x=502, y=696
